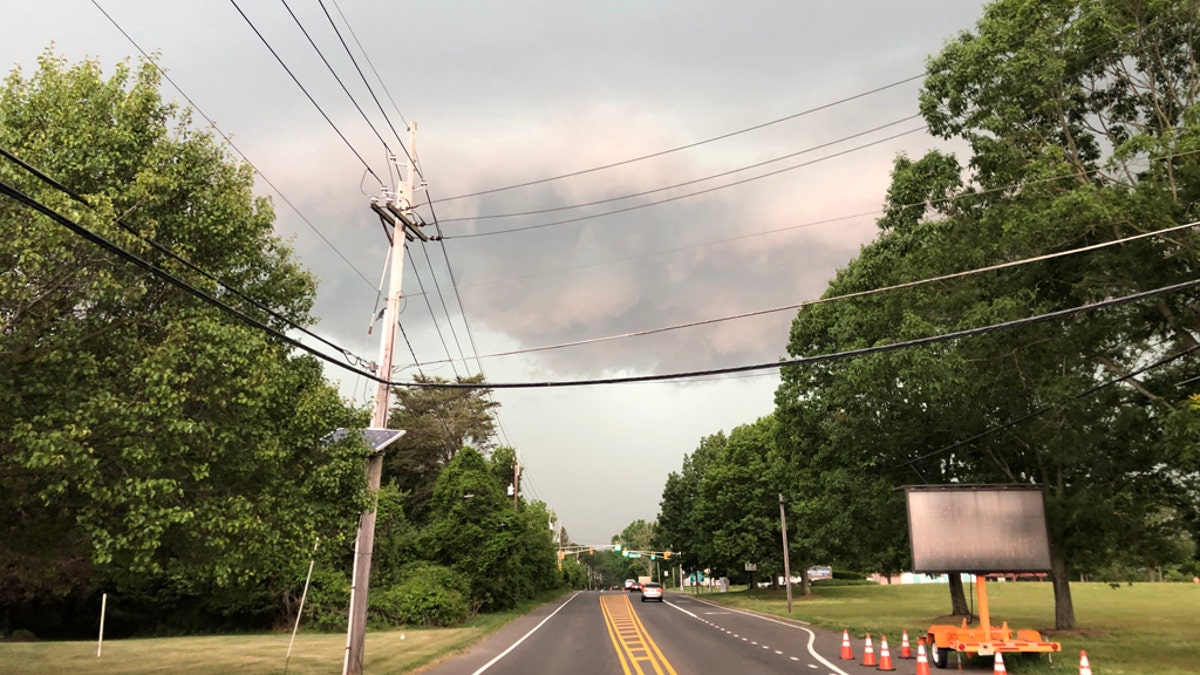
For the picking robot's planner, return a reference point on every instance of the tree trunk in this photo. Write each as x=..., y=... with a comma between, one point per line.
x=1064, y=607
x=958, y=599
x=805, y=584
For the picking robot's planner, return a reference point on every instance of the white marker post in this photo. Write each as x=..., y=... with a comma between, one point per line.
x=103, y=609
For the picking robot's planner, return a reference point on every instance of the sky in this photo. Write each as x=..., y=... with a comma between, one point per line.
x=505, y=93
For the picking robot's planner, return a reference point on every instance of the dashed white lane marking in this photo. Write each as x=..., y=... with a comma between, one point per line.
x=812, y=638
x=779, y=652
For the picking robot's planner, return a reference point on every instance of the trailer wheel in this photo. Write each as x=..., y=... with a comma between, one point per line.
x=940, y=656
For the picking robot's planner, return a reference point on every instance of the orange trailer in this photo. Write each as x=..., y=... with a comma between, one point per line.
x=984, y=639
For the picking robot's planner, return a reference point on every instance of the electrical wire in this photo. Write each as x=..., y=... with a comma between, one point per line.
x=175, y=256
x=333, y=72
x=689, y=195
x=1044, y=409
x=837, y=356
x=308, y=95
x=687, y=146
x=229, y=141
x=367, y=56
x=694, y=181
x=138, y=261
x=432, y=315
x=370, y=90
x=857, y=294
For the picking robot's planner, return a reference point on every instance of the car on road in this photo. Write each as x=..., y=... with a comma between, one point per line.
x=652, y=591
x=632, y=585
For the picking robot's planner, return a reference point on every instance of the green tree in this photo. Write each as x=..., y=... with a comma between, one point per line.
x=439, y=422
x=152, y=445
x=1081, y=119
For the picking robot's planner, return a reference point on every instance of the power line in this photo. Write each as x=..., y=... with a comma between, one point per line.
x=804, y=360
x=333, y=72
x=837, y=356
x=306, y=94
x=690, y=194
x=857, y=294
x=1044, y=409
x=172, y=254
x=685, y=183
x=687, y=146
x=432, y=316
x=229, y=141
x=825, y=221
x=412, y=162
x=138, y=261
x=367, y=56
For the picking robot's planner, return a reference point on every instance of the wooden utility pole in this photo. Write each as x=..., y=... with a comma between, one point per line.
x=399, y=213
x=787, y=565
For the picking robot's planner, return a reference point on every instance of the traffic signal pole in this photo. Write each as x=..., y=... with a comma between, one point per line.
x=364, y=544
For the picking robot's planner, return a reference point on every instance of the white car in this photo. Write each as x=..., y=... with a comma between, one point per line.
x=652, y=591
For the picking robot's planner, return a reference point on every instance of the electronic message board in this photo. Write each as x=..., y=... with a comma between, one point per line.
x=977, y=528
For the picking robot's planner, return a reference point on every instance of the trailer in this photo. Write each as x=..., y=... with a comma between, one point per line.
x=977, y=529
x=984, y=639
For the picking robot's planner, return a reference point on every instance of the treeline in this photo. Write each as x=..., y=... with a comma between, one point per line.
x=157, y=449
x=1083, y=123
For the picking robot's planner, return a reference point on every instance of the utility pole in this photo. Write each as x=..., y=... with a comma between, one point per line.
x=516, y=480
x=399, y=214
x=787, y=565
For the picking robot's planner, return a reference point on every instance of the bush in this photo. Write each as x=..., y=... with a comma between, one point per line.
x=847, y=575
x=429, y=595
x=826, y=583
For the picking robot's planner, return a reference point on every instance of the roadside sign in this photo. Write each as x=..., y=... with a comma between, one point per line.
x=751, y=567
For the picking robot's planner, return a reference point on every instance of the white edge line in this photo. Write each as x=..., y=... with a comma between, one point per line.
x=514, y=645
x=812, y=637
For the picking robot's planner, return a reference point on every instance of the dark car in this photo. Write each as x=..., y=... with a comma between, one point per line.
x=632, y=585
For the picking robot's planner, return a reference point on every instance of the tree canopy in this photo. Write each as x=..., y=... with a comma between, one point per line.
x=151, y=444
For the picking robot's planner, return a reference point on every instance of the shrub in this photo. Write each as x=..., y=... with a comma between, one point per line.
x=847, y=575
x=429, y=595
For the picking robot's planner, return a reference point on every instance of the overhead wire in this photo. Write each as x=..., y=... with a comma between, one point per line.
x=846, y=296
x=229, y=141
x=836, y=356
x=694, y=181
x=178, y=258
x=104, y=243
x=333, y=72
x=687, y=146
x=370, y=90
x=138, y=261
x=1046, y=408
x=432, y=314
x=311, y=100
x=689, y=195
x=367, y=57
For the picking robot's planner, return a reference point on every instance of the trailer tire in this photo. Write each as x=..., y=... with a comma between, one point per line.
x=940, y=656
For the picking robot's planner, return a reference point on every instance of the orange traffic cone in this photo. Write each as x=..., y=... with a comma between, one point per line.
x=905, y=649
x=869, y=653
x=885, y=656
x=1085, y=668
x=847, y=652
x=998, y=666
x=922, y=662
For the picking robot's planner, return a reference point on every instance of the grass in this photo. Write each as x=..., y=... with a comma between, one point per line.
x=1138, y=629
x=393, y=651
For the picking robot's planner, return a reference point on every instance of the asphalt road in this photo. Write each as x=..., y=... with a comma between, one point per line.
x=613, y=633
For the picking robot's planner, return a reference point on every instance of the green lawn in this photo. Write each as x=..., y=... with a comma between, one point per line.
x=1139, y=629
x=394, y=651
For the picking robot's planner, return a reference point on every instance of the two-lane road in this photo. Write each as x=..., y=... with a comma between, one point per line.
x=613, y=633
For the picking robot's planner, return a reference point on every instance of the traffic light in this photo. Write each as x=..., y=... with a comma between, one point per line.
x=617, y=547
x=666, y=555
x=653, y=557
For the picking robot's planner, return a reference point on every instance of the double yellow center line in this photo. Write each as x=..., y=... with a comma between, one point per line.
x=636, y=651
